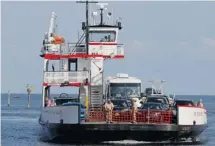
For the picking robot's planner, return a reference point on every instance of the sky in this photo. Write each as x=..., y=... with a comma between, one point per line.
x=174, y=41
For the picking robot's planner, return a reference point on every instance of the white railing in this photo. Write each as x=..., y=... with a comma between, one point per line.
x=120, y=50
x=101, y=50
x=54, y=49
x=75, y=48
x=61, y=77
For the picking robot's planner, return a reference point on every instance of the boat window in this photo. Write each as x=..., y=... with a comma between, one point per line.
x=124, y=90
x=102, y=36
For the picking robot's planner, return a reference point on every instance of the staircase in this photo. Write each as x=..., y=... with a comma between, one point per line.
x=96, y=98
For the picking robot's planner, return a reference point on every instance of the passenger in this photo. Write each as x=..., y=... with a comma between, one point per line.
x=84, y=69
x=105, y=39
x=134, y=110
x=48, y=102
x=108, y=111
x=53, y=67
x=53, y=102
x=200, y=103
x=109, y=40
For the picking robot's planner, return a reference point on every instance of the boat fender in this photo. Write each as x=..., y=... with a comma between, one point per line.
x=61, y=121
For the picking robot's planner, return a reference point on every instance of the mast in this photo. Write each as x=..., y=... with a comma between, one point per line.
x=101, y=23
x=87, y=22
x=8, y=98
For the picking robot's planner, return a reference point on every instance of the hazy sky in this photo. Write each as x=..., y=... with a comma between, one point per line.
x=174, y=41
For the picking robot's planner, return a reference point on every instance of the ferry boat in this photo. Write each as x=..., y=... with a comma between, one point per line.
x=82, y=118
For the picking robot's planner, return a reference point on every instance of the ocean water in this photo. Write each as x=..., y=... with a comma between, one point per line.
x=20, y=125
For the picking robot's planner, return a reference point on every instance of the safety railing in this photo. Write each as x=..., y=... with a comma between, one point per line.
x=61, y=77
x=56, y=49
x=142, y=116
x=106, y=50
x=75, y=48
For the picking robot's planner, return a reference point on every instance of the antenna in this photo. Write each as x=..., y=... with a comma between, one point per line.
x=52, y=25
x=94, y=14
x=87, y=19
x=102, y=5
x=102, y=9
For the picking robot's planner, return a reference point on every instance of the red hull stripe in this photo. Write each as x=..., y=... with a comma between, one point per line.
x=55, y=57
x=70, y=84
x=105, y=44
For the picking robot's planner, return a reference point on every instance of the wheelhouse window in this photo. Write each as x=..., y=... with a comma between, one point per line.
x=102, y=36
x=125, y=90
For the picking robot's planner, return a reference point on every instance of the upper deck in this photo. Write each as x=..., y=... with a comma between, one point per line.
x=97, y=40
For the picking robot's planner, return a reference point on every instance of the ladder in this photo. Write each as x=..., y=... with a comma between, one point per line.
x=96, y=98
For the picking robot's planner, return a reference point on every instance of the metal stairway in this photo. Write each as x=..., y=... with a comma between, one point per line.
x=96, y=98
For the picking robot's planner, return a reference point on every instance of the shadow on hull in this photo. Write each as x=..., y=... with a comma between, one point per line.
x=98, y=133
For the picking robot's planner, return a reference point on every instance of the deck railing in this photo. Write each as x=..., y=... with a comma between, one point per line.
x=102, y=50
x=142, y=116
x=61, y=77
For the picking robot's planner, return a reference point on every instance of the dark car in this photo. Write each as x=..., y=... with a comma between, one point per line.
x=120, y=104
x=153, y=106
x=183, y=102
x=158, y=99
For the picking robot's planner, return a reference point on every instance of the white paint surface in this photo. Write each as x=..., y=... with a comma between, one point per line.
x=69, y=114
x=186, y=115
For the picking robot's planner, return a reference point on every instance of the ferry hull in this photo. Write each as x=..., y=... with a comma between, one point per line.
x=113, y=132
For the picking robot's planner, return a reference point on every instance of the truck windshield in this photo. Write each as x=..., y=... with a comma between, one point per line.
x=122, y=90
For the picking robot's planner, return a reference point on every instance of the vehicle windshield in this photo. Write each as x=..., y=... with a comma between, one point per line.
x=102, y=36
x=157, y=99
x=119, y=103
x=125, y=90
x=151, y=106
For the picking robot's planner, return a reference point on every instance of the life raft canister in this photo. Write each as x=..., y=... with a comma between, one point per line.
x=58, y=39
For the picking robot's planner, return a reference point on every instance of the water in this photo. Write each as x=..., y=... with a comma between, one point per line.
x=20, y=125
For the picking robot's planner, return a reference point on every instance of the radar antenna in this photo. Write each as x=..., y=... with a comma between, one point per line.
x=102, y=9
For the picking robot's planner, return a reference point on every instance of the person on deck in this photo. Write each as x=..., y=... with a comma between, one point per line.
x=108, y=106
x=53, y=102
x=134, y=110
x=53, y=67
x=48, y=102
x=200, y=103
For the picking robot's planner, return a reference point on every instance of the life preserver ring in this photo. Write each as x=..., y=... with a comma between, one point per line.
x=57, y=39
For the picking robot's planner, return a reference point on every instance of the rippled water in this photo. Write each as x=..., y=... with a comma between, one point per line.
x=20, y=125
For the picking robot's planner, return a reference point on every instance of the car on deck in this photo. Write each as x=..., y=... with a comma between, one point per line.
x=121, y=104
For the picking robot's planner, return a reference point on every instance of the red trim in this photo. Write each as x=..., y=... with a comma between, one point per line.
x=56, y=57
x=77, y=84
x=102, y=43
x=191, y=106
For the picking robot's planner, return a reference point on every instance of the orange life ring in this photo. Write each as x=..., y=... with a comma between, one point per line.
x=58, y=39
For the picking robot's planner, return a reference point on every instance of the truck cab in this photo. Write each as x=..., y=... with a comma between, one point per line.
x=122, y=86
